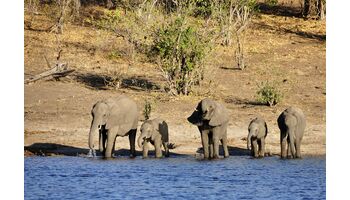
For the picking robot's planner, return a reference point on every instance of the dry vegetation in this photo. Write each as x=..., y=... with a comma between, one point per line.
x=286, y=50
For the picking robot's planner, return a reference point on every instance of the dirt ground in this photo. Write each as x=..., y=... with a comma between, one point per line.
x=287, y=50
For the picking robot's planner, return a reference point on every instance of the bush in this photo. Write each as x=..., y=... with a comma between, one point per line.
x=147, y=110
x=268, y=94
x=181, y=50
x=203, y=8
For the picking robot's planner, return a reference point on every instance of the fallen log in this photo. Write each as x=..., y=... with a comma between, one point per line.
x=58, y=71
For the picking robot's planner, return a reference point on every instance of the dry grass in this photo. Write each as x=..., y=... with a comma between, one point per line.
x=286, y=50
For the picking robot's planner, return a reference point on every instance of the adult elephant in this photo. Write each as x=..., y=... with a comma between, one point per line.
x=111, y=118
x=212, y=120
x=292, y=124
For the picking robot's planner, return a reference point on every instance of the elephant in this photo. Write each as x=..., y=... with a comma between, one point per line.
x=257, y=132
x=113, y=117
x=212, y=119
x=291, y=123
x=154, y=131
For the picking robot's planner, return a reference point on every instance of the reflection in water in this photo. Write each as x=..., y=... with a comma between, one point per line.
x=181, y=177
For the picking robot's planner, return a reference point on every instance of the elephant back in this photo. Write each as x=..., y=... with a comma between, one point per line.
x=162, y=127
x=164, y=131
x=123, y=113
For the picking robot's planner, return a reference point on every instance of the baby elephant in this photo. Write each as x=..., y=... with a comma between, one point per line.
x=257, y=132
x=155, y=132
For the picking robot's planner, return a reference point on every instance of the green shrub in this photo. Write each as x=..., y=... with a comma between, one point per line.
x=181, y=50
x=203, y=8
x=268, y=94
x=147, y=110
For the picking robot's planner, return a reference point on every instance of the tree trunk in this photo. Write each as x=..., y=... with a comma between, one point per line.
x=320, y=7
x=306, y=9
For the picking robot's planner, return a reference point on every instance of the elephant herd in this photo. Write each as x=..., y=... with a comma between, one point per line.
x=119, y=117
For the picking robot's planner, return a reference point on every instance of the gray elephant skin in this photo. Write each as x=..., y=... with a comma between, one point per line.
x=212, y=120
x=111, y=118
x=292, y=124
x=257, y=132
x=154, y=132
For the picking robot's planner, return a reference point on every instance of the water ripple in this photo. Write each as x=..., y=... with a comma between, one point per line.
x=182, y=177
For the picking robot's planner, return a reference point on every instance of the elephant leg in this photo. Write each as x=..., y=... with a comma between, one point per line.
x=111, y=137
x=262, y=147
x=216, y=142
x=145, y=150
x=224, y=145
x=166, y=148
x=102, y=140
x=283, y=141
x=211, y=148
x=255, y=147
x=292, y=146
x=297, y=147
x=205, y=143
x=158, y=149
x=132, y=137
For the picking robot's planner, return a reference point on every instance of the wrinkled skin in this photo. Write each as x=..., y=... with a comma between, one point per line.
x=111, y=118
x=292, y=124
x=257, y=132
x=212, y=120
x=154, y=132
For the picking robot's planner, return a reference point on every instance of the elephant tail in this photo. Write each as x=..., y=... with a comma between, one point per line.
x=172, y=145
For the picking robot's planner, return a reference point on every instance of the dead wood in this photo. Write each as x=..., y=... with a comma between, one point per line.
x=58, y=71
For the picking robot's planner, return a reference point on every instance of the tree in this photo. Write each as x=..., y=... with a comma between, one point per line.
x=181, y=50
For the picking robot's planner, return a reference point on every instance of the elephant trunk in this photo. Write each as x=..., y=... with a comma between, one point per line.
x=249, y=140
x=140, y=141
x=93, y=131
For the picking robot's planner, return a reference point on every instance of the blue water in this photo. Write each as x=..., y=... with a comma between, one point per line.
x=180, y=177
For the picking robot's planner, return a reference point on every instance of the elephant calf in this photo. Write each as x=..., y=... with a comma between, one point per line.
x=212, y=119
x=292, y=124
x=257, y=132
x=155, y=132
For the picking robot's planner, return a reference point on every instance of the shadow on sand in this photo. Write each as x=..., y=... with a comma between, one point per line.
x=100, y=82
x=233, y=151
x=52, y=149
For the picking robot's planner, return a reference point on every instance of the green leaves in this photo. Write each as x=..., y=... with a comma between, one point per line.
x=181, y=50
x=268, y=94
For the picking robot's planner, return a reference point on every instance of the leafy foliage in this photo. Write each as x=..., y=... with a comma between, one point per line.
x=147, y=110
x=203, y=8
x=268, y=94
x=181, y=51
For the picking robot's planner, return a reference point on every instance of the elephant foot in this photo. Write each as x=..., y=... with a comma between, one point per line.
x=226, y=156
x=132, y=156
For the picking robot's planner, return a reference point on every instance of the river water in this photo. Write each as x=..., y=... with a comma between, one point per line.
x=177, y=177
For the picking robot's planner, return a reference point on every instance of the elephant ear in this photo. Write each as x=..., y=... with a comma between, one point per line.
x=220, y=115
x=195, y=118
x=162, y=130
